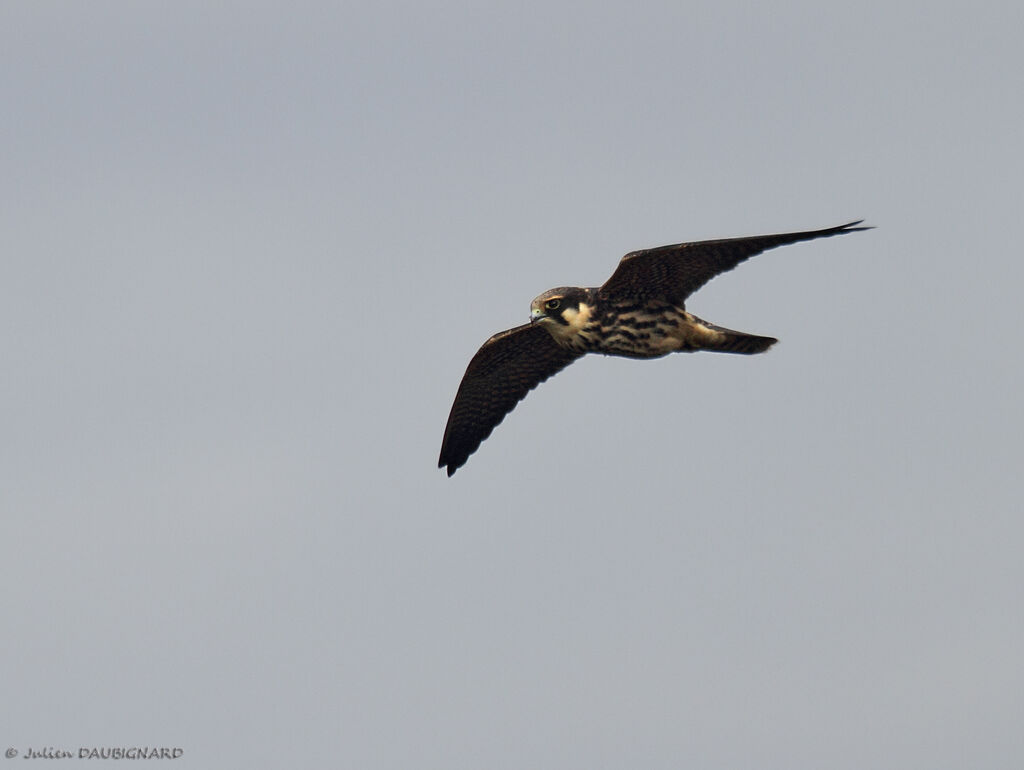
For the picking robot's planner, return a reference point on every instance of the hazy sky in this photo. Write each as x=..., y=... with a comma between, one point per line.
x=248, y=251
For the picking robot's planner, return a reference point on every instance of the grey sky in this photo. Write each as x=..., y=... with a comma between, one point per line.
x=248, y=253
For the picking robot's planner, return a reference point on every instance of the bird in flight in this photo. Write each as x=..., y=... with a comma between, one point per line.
x=639, y=312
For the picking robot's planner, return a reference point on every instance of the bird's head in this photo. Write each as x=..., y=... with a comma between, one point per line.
x=560, y=306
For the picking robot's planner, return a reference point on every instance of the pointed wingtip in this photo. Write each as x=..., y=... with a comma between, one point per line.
x=850, y=227
x=445, y=461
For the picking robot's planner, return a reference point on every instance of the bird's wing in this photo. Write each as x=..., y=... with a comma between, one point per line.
x=675, y=272
x=507, y=367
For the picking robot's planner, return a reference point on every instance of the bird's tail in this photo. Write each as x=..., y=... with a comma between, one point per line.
x=723, y=340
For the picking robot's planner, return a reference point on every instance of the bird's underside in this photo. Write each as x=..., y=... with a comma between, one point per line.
x=648, y=328
x=638, y=313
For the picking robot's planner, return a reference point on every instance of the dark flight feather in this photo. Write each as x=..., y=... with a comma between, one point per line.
x=673, y=273
x=507, y=367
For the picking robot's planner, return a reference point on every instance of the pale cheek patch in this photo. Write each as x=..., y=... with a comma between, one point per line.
x=578, y=318
x=572, y=334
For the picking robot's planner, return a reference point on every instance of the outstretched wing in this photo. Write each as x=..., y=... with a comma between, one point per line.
x=675, y=272
x=507, y=367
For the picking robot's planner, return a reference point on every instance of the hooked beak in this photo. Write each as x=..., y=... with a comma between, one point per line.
x=536, y=314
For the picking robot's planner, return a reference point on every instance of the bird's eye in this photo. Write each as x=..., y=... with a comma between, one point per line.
x=552, y=304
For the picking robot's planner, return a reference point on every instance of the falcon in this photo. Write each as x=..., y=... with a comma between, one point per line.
x=639, y=312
